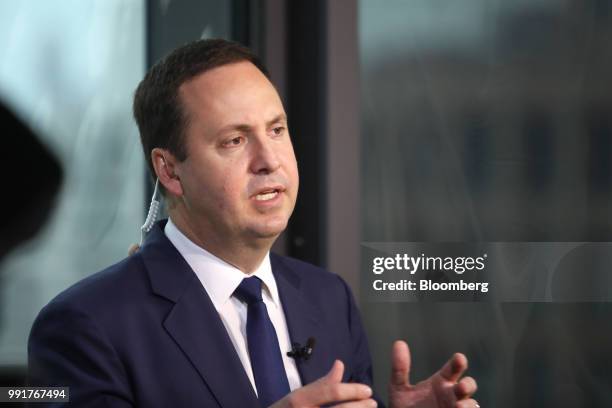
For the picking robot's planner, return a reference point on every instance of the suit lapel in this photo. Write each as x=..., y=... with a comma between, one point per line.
x=303, y=321
x=195, y=326
x=194, y=323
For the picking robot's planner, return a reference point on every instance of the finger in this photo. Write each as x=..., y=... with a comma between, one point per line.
x=326, y=390
x=335, y=373
x=342, y=392
x=454, y=368
x=400, y=363
x=469, y=403
x=329, y=389
x=369, y=403
x=320, y=393
x=465, y=388
x=133, y=249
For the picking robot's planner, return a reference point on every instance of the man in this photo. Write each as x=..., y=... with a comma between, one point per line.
x=203, y=314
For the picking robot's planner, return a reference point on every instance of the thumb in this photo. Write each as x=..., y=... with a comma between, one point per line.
x=335, y=374
x=400, y=363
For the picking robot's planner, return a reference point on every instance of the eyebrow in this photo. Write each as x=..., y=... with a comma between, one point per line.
x=282, y=117
x=279, y=118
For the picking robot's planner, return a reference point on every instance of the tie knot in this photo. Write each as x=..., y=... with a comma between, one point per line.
x=249, y=290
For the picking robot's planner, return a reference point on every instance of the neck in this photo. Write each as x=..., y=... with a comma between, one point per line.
x=246, y=256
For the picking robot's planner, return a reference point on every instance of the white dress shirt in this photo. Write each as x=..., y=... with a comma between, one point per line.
x=220, y=280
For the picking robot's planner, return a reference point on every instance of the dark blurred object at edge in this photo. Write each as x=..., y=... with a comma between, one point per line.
x=32, y=177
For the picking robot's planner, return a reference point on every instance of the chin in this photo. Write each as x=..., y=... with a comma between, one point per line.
x=271, y=229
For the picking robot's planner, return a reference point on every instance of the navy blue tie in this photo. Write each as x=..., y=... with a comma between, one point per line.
x=264, y=352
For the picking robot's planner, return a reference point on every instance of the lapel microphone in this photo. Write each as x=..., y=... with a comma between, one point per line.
x=302, y=352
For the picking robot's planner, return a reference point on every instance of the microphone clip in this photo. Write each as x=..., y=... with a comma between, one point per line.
x=299, y=352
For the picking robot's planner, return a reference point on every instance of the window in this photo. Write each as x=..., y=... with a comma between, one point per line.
x=69, y=69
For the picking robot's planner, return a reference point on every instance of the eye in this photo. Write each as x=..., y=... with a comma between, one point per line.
x=235, y=141
x=278, y=130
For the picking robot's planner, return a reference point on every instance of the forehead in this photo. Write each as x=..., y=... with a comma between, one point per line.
x=237, y=92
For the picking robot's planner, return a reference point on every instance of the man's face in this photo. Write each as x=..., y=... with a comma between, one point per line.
x=240, y=178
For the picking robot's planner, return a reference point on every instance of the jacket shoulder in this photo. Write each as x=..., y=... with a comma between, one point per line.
x=107, y=289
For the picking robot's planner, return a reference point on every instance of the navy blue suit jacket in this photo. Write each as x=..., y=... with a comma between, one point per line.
x=145, y=333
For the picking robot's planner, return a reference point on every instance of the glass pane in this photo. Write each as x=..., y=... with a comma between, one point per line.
x=69, y=69
x=491, y=121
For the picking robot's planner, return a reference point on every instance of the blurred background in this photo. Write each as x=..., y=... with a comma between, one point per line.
x=412, y=120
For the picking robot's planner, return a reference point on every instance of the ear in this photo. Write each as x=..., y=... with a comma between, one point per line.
x=164, y=164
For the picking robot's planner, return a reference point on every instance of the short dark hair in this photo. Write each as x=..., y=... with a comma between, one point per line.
x=157, y=106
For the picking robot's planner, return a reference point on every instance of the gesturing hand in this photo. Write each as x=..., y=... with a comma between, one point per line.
x=441, y=390
x=329, y=389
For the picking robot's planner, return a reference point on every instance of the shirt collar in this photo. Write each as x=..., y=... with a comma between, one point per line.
x=219, y=278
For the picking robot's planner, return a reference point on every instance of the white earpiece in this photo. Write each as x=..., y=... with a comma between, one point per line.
x=152, y=215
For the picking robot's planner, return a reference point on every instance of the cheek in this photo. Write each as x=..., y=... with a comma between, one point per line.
x=292, y=169
x=232, y=190
x=289, y=161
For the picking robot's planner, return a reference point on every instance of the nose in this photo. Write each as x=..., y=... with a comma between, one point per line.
x=265, y=158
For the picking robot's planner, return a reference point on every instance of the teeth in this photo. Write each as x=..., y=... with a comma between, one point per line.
x=266, y=196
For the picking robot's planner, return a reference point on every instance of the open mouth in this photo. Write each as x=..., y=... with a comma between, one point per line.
x=267, y=194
